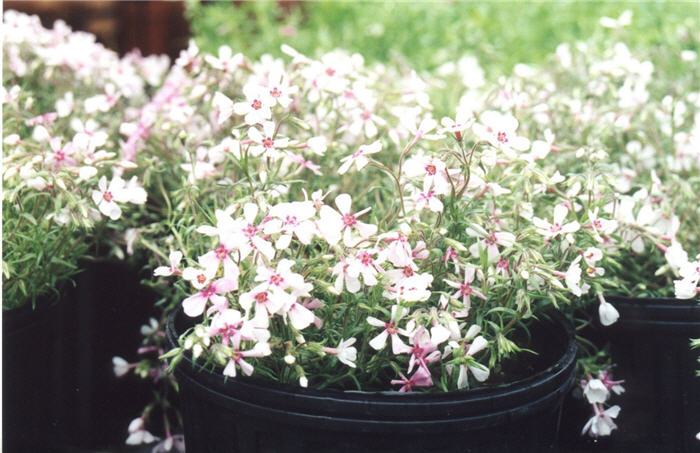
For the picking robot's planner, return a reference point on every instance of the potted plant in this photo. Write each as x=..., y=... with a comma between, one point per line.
x=412, y=256
x=638, y=110
x=67, y=189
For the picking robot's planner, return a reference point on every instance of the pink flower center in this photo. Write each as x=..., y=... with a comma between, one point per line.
x=431, y=169
x=221, y=252
x=268, y=142
x=597, y=224
x=366, y=115
x=276, y=279
x=366, y=259
x=257, y=105
x=408, y=271
x=275, y=93
x=465, y=289
x=555, y=228
x=291, y=220
x=209, y=291
x=330, y=72
x=60, y=155
x=250, y=230
x=201, y=278
x=502, y=137
x=503, y=264
x=261, y=297
x=107, y=196
x=390, y=327
x=349, y=220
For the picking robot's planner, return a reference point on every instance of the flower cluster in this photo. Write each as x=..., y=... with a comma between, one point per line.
x=597, y=391
x=64, y=99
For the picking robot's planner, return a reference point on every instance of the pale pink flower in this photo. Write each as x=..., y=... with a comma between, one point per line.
x=138, y=434
x=223, y=107
x=421, y=378
x=194, y=305
x=268, y=300
x=107, y=196
x=280, y=89
x=500, y=130
x=226, y=60
x=333, y=225
x=423, y=351
x=491, y=243
x=164, y=271
x=601, y=424
x=359, y=157
x=465, y=289
x=343, y=278
x=345, y=352
x=390, y=329
x=60, y=155
x=266, y=144
x=289, y=219
x=238, y=356
x=557, y=227
x=410, y=289
x=257, y=106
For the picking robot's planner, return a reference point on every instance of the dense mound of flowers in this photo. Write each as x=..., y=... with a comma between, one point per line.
x=65, y=99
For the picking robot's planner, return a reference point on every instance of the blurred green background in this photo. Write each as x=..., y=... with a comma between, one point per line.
x=426, y=34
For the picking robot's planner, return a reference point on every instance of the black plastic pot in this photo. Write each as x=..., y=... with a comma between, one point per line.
x=97, y=319
x=26, y=345
x=244, y=415
x=650, y=345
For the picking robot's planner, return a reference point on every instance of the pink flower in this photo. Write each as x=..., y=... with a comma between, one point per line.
x=421, y=378
x=257, y=106
x=601, y=424
x=238, y=356
x=333, y=225
x=359, y=157
x=194, y=305
x=390, y=329
x=164, y=271
x=226, y=61
x=557, y=227
x=266, y=144
x=465, y=290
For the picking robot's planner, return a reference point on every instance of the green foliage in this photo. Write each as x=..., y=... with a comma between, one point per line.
x=427, y=34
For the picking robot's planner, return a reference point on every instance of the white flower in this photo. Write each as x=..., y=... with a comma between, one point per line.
x=595, y=391
x=359, y=157
x=601, y=424
x=608, y=314
x=347, y=353
x=121, y=366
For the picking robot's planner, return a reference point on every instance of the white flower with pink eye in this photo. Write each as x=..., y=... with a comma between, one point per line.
x=60, y=155
x=289, y=219
x=334, y=225
x=279, y=88
x=266, y=143
x=345, y=352
x=165, y=271
x=247, y=236
x=410, y=289
x=223, y=107
x=367, y=265
x=431, y=169
x=424, y=350
x=268, y=299
x=359, y=157
x=343, y=279
x=599, y=225
x=687, y=286
x=573, y=278
x=364, y=120
x=257, y=106
x=601, y=424
x=557, y=227
x=232, y=327
x=238, y=356
x=465, y=289
x=226, y=60
x=392, y=330
x=499, y=129
x=209, y=291
x=107, y=196
x=456, y=127
x=427, y=199
x=490, y=243
x=476, y=345
x=88, y=135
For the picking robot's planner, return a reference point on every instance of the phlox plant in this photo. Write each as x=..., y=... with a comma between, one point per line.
x=65, y=98
x=323, y=227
